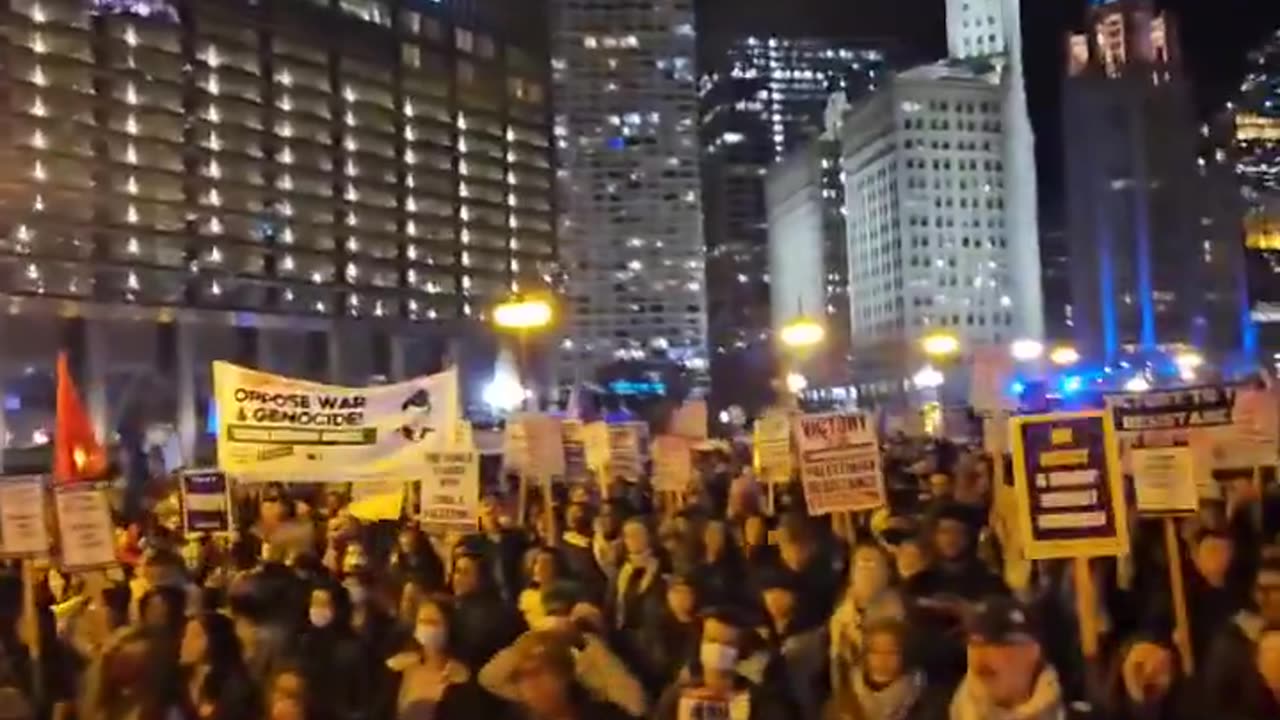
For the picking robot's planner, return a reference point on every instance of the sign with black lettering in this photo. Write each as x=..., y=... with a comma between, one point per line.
x=451, y=491
x=23, y=532
x=86, y=535
x=840, y=462
x=206, y=501
x=1226, y=426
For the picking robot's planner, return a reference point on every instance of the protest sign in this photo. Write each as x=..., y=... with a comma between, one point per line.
x=625, y=461
x=1069, y=488
x=544, y=440
x=451, y=491
x=86, y=537
x=575, y=451
x=375, y=500
x=23, y=532
x=690, y=420
x=672, y=463
x=276, y=428
x=840, y=463
x=595, y=445
x=702, y=704
x=1227, y=426
x=992, y=369
x=515, y=447
x=1164, y=481
x=206, y=501
x=771, y=438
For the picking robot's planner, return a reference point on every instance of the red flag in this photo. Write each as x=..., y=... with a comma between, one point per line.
x=77, y=456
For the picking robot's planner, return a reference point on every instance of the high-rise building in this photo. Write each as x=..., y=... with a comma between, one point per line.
x=334, y=189
x=762, y=99
x=941, y=207
x=1254, y=148
x=1155, y=240
x=630, y=201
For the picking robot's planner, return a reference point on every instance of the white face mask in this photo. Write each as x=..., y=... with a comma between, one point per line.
x=430, y=637
x=320, y=617
x=718, y=656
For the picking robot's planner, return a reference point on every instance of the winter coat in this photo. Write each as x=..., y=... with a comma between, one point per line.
x=909, y=698
x=748, y=703
x=422, y=697
x=482, y=625
x=971, y=702
x=601, y=673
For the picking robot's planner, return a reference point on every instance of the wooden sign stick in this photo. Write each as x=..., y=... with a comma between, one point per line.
x=1182, y=621
x=1086, y=607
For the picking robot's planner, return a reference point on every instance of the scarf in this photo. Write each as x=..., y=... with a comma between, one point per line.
x=648, y=565
x=972, y=703
x=888, y=703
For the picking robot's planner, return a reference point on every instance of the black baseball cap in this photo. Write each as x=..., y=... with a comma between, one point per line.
x=1002, y=621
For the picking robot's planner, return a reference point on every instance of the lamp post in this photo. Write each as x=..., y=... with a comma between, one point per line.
x=523, y=315
x=798, y=338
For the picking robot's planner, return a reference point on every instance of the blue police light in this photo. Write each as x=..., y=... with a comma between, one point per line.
x=1072, y=384
x=1017, y=387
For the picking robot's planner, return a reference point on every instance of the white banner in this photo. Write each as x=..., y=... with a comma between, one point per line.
x=1164, y=480
x=86, y=535
x=23, y=532
x=840, y=463
x=276, y=428
x=451, y=491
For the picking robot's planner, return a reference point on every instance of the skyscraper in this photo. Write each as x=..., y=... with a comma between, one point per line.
x=1155, y=249
x=326, y=189
x=763, y=98
x=630, y=200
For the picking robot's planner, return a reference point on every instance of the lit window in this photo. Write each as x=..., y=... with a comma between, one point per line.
x=38, y=77
x=37, y=44
x=38, y=140
x=37, y=107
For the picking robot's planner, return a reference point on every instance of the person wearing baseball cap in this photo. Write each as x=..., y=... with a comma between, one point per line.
x=1008, y=675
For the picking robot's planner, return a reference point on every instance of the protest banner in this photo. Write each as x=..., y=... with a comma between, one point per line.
x=1069, y=488
x=375, y=500
x=206, y=501
x=672, y=463
x=575, y=451
x=625, y=460
x=771, y=440
x=840, y=463
x=595, y=445
x=277, y=428
x=1164, y=481
x=451, y=491
x=23, y=532
x=86, y=536
x=1226, y=426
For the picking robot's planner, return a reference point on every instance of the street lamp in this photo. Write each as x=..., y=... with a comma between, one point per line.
x=1026, y=350
x=523, y=314
x=802, y=332
x=940, y=345
x=796, y=383
x=1064, y=356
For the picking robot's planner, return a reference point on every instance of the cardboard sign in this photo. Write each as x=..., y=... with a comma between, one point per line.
x=545, y=439
x=206, y=501
x=1070, y=491
x=1227, y=426
x=625, y=461
x=992, y=369
x=451, y=491
x=690, y=420
x=277, y=428
x=595, y=445
x=23, y=532
x=672, y=463
x=840, y=463
x=771, y=438
x=85, y=533
x=575, y=451
x=515, y=447
x=1164, y=481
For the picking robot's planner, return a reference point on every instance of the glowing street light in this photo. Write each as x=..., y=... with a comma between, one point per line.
x=803, y=332
x=1188, y=360
x=796, y=383
x=940, y=345
x=505, y=393
x=928, y=378
x=1064, y=356
x=522, y=314
x=1026, y=350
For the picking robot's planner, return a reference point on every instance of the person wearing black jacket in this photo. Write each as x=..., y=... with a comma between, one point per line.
x=673, y=640
x=1144, y=684
x=483, y=623
x=216, y=684
x=334, y=661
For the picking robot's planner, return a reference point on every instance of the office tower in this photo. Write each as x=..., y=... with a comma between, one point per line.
x=337, y=190
x=763, y=98
x=1155, y=249
x=630, y=202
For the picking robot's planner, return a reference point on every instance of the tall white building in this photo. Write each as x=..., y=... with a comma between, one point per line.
x=626, y=102
x=940, y=202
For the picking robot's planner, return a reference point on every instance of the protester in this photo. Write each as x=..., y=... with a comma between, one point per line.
x=432, y=684
x=673, y=639
x=483, y=622
x=800, y=644
x=334, y=661
x=216, y=683
x=543, y=676
x=868, y=596
x=1145, y=684
x=881, y=682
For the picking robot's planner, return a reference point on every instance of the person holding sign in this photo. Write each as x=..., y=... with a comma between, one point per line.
x=713, y=689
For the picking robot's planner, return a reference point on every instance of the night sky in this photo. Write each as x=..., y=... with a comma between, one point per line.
x=1216, y=37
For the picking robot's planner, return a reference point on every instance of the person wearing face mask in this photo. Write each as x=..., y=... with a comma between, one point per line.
x=596, y=668
x=333, y=659
x=1144, y=684
x=216, y=684
x=868, y=597
x=432, y=684
x=882, y=684
x=712, y=686
x=1008, y=676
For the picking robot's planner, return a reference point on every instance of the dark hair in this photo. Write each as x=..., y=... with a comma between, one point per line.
x=339, y=598
x=174, y=602
x=224, y=655
x=443, y=603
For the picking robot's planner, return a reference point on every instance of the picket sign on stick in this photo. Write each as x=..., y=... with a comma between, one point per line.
x=32, y=621
x=1177, y=587
x=1086, y=607
x=549, y=512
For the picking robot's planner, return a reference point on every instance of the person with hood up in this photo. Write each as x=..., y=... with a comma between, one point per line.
x=596, y=669
x=1008, y=677
x=712, y=685
x=882, y=683
x=1144, y=684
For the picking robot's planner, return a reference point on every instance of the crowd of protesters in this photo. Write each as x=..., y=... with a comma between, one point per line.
x=647, y=607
